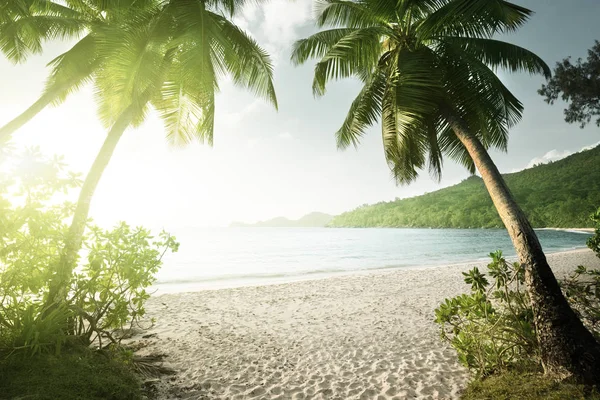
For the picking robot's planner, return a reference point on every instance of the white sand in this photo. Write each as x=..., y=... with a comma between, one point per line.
x=368, y=336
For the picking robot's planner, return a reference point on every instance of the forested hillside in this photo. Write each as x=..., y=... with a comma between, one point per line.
x=560, y=194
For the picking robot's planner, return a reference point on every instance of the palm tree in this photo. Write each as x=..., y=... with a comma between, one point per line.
x=428, y=70
x=169, y=57
x=26, y=24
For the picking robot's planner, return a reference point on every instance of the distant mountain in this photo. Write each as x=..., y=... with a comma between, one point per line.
x=312, y=220
x=561, y=194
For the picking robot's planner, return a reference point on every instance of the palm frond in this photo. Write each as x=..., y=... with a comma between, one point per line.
x=451, y=146
x=363, y=113
x=499, y=54
x=346, y=13
x=21, y=37
x=72, y=69
x=248, y=64
x=132, y=65
x=355, y=54
x=473, y=18
x=403, y=151
x=480, y=97
x=317, y=45
x=180, y=111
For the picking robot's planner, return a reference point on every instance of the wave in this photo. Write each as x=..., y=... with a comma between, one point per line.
x=291, y=275
x=267, y=276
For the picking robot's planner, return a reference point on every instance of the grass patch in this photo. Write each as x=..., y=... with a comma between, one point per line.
x=526, y=386
x=72, y=376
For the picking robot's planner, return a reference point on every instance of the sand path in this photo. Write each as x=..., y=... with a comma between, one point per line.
x=368, y=336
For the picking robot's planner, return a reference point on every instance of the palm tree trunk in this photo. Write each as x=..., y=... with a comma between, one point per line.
x=7, y=130
x=567, y=347
x=68, y=260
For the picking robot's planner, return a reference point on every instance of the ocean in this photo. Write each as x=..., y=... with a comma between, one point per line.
x=212, y=258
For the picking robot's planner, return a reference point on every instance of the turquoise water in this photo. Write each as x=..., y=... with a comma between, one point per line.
x=229, y=257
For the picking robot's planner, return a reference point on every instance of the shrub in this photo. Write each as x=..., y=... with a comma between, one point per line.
x=492, y=328
x=594, y=241
x=107, y=291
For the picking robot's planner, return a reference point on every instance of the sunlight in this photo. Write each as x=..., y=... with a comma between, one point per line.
x=399, y=202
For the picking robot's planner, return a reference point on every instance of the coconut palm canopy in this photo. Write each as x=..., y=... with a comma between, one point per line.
x=421, y=61
x=166, y=54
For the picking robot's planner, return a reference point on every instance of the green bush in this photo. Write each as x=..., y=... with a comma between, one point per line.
x=108, y=289
x=594, y=242
x=492, y=327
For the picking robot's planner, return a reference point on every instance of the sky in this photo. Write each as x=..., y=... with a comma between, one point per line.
x=266, y=163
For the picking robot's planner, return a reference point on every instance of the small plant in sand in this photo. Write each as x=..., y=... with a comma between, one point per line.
x=492, y=327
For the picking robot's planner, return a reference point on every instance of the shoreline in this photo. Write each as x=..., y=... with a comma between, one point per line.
x=346, y=337
x=191, y=287
x=581, y=230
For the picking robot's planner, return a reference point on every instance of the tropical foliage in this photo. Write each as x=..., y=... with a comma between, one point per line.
x=108, y=291
x=169, y=54
x=25, y=26
x=428, y=71
x=165, y=54
x=492, y=327
x=578, y=85
x=557, y=194
x=421, y=62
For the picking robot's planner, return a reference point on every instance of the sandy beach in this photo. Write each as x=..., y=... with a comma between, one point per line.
x=366, y=336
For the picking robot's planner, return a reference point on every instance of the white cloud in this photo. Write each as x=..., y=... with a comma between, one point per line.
x=285, y=136
x=282, y=18
x=555, y=155
x=275, y=23
x=552, y=155
x=591, y=146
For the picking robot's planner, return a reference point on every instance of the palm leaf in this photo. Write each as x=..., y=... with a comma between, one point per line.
x=355, y=54
x=498, y=54
x=349, y=14
x=473, y=18
x=364, y=111
x=73, y=68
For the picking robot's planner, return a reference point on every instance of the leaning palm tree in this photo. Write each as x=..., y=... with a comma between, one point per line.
x=169, y=57
x=428, y=70
x=26, y=24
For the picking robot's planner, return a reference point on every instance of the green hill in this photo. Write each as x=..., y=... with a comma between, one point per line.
x=561, y=194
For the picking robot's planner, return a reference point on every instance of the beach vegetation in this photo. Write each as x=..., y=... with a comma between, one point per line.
x=577, y=85
x=168, y=55
x=105, y=296
x=493, y=331
x=428, y=70
x=492, y=327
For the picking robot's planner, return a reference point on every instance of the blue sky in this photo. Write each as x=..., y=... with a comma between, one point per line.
x=266, y=163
